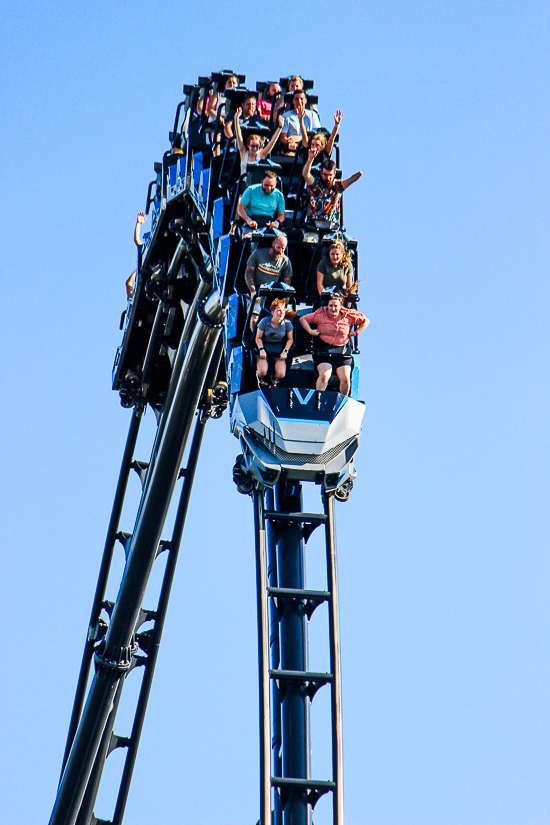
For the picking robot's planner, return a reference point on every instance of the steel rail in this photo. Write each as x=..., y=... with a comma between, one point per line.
x=114, y=658
x=162, y=608
x=110, y=540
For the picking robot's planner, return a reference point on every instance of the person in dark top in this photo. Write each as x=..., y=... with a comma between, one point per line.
x=274, y=338
x=216, y=100
x=266, y=265
x=249, y=117
x=336, y=270
x=271, y=92
x=325, y=194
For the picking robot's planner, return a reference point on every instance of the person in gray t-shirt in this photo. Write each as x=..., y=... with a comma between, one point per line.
x=274, y=336
x=265, y=265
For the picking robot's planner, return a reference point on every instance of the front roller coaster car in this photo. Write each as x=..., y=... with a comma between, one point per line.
x=301, y=433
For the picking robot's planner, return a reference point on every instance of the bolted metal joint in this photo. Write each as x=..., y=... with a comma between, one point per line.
x=122, y=662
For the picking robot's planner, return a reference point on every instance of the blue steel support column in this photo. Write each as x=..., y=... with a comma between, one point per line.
x=263, y=657
x=293, y=643
x=275, y=663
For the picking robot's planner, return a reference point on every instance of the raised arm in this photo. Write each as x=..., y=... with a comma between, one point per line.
x=349, y=181
x=330, y=142
x=303, y=132
x=227, y=129
x=266, y=151
x=238, y=134
x=306, y=171
x=284, y=136
x=137, y=231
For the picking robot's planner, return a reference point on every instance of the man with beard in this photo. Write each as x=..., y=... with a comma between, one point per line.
x=266, y=265
x=262, y=204
x=325, y=194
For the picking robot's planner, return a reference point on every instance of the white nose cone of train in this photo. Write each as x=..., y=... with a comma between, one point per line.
x=297, y=427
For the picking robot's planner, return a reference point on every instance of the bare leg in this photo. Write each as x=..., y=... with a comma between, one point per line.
x=261, y=367
x=280, y=368
x=344, y=374
x=324, y=371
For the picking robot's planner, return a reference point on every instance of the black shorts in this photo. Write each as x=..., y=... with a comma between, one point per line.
x=335, y=359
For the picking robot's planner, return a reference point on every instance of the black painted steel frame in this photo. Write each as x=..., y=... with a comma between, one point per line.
x=90, y=736
x=94, y=627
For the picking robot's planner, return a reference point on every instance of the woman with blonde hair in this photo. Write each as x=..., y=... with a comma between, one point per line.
x=320, y=140
x=336, y=269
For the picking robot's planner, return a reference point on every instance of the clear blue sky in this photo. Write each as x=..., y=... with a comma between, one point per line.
x=444, y=544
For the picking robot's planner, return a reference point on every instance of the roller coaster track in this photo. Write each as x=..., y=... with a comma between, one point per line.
x=123, y=635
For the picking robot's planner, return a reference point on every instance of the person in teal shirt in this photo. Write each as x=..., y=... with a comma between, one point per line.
x=263, y=204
